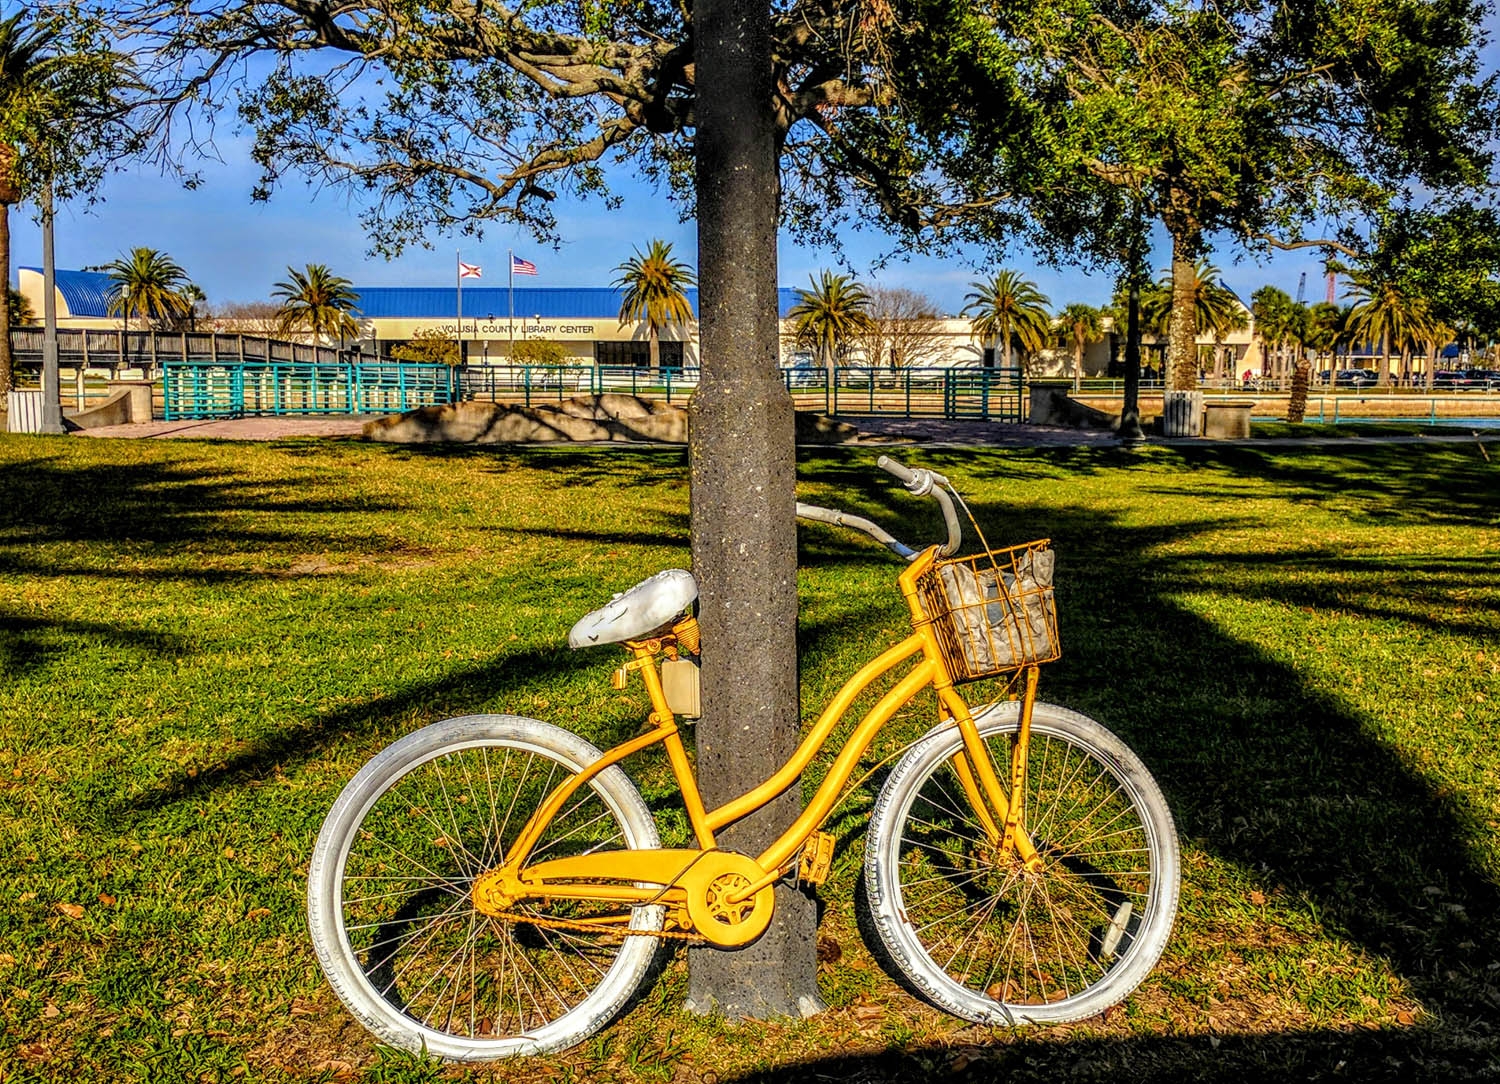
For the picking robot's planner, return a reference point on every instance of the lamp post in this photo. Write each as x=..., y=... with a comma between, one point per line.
x=51, y=389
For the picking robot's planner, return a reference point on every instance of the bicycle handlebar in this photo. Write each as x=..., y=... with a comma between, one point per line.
x=922, y=483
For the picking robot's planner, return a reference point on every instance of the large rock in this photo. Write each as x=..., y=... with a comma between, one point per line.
x=585, y=417
x=607, y=417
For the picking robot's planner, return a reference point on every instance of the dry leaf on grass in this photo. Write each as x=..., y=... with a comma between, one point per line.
x=868, y=1016
x=72, y=910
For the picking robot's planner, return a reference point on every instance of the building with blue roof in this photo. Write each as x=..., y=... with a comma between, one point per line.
x=583, y=320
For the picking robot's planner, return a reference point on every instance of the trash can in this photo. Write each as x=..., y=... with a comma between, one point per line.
x=24, y=411
x=1181, y=413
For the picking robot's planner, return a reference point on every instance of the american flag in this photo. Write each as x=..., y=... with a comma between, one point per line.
x=519, y=266
x=468, y=270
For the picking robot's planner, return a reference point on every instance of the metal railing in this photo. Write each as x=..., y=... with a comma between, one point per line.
x=531, y=383
x=984, y=394
x=994, y=394
x=197, y=390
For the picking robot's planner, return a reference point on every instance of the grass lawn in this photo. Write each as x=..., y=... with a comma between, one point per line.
x=202, y=642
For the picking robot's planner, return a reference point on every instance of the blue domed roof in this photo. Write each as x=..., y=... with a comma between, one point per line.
x=85, y=293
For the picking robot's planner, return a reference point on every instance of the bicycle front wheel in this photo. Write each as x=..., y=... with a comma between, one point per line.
x=390, y=903
x=982, y=937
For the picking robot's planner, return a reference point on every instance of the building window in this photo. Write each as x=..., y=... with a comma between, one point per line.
x=637, y=355
x=624, y=355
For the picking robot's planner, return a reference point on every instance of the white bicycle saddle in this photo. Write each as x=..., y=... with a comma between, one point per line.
x=646, y=607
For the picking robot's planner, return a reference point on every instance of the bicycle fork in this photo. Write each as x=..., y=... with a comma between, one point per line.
x=1001, y=816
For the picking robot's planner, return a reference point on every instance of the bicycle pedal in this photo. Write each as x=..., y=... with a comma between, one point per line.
x=817, y=858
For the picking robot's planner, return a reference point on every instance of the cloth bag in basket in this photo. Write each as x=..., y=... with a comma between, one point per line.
x=1000, y=615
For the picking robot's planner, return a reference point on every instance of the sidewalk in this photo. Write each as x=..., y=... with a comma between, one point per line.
x=877, y=430
x=872, y=430
x=342, y=425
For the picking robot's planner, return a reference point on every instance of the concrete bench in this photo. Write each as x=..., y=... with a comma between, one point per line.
x=1227, y=419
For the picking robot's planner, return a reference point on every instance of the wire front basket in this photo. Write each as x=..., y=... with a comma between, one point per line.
x=993, y=612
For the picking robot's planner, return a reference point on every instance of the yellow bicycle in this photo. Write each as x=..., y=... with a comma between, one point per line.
x=493, y=885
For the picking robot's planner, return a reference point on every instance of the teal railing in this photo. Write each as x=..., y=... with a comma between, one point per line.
x=983, y=394
x=192, y=389
x=989, y=394
x=201, y=389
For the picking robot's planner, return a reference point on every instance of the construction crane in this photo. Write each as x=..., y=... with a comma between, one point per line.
x=1302, y=288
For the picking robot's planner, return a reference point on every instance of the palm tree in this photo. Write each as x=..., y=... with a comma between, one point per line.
x=830, y=317
x=317, y=303
x=1325, y=323
x=1078, y=325
x=20, y=309
x=29, y=74
x=148, y=284
x=1009, y=305
x=1312, y=328
x=655, y=288
x=1216, y=309
x=1383, y=313
x=1434, y=335
x=1273, y=310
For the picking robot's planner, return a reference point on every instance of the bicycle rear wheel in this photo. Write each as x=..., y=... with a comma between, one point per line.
x=391, y=910
x=977, y=934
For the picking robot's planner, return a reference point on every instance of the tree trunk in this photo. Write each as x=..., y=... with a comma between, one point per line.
x=1296, y=407
x=1385, y=359
x=1077, y=367
x=1005, y=351
x=1130, y=413
x=1182, y=329
x=654, y=350
x=6, y=364
x=743, y=523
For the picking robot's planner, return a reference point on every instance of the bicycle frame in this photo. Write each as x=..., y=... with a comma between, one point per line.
x=651, y=876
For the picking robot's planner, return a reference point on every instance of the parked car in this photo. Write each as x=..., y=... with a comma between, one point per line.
x=1356, y=378
x=1488, y=379
x=1457, y=379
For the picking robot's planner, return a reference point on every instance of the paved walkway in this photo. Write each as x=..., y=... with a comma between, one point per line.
x=342, y=425
x=929, y=431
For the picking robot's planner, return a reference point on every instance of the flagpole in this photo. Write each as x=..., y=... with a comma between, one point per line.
x=458, y=283
x=510, y=260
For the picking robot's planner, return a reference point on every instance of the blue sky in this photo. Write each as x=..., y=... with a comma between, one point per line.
x=235, y=249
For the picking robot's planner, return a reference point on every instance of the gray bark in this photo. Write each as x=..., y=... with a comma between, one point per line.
x=743, y=496
x=1182, y=330
x=5, y=359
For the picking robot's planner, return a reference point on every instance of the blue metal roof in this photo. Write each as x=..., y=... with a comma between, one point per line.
x=88, y=293
x=547, y=302
x=85, y=293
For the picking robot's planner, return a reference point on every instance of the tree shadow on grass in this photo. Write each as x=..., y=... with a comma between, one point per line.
x=463, y=691
x=167, y=503
x=565, y=463
x=28, y=643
